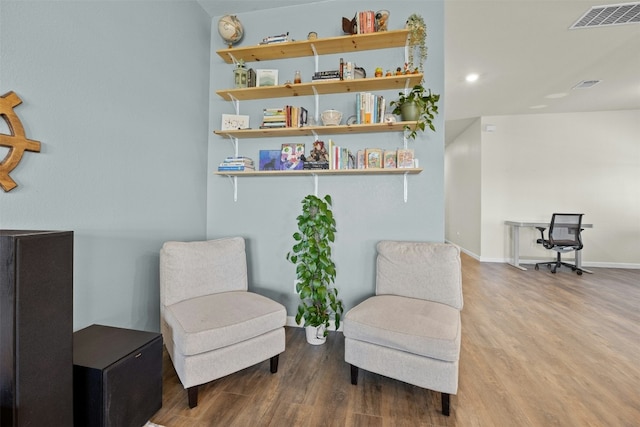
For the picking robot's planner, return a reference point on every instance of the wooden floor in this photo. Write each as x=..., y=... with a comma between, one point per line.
x=538, y=349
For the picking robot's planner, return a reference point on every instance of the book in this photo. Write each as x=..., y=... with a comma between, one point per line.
x=360, y=163
x=291, y=156
x=239, y=168
x=389, y=157
x=373, y=158
x=405, y=158
x=236, y=164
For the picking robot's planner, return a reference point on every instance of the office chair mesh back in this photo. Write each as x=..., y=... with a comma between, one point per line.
x=565, y=230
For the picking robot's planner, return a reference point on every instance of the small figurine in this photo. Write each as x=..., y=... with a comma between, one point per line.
x=378, y=72
x=319, y=153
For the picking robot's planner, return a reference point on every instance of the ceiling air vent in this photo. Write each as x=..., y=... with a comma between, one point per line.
x=611, y=14
x=586, y=84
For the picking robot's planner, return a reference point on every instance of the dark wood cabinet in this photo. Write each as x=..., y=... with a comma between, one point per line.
x=117, y=376
x=36, y=328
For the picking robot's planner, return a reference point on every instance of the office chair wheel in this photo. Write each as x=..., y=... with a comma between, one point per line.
x=536, y=267
x=579, y=273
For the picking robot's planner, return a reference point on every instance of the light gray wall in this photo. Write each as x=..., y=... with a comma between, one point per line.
x=534, y=165
x=367, y=208
x=117, y=93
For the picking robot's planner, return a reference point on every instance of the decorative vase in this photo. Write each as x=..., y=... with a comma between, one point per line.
x=315, y=335
x=409, y=112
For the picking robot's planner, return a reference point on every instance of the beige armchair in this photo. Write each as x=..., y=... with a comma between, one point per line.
x=211, y=325
x=410, y=330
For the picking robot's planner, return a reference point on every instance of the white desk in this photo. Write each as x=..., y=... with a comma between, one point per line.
x=515, y=241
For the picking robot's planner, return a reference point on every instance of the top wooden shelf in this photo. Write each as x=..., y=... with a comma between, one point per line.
x=324, y=46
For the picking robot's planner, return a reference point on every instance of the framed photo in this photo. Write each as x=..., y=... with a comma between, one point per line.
x=266, y=77
x=269, y=160
x=234, y=122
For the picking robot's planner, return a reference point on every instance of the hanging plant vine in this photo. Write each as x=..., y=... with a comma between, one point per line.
x=417, y=49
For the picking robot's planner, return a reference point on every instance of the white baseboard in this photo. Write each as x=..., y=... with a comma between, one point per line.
x=533, y=261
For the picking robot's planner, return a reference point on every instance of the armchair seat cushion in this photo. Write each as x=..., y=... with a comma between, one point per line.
x=400, y=323
x=210, y=322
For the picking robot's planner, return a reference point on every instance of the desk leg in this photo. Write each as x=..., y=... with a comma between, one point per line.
x=579, y=262
x=515, y=247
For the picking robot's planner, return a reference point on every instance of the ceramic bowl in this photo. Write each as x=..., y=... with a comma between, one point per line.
x=331, y=117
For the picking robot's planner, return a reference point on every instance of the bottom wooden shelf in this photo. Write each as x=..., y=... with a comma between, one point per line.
x=307, y=172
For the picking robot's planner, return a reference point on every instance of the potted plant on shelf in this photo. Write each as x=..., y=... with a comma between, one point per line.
x=315, y=270
x=418, y=105
x=417, y=42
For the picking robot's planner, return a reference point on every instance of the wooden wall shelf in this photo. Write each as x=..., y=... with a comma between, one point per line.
x=317, y=130
x=324, y=46
x=319, y=172
x=322, y=87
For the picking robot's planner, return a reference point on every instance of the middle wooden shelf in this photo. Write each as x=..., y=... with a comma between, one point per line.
x=322, y=87
x=317, y=130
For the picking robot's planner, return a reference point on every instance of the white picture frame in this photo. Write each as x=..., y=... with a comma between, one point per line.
x=234, y=122
x=266, y=77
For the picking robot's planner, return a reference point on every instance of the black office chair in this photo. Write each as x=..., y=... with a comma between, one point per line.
x=563, y=236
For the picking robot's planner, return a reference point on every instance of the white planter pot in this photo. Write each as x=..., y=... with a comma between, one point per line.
x=315, y=335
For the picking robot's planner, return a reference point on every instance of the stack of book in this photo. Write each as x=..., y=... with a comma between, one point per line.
x=289, y=116
x=274, y=118
x=370, y=108
x=296, y=116
x=236, y=164
x=340, y=157
x=276, y=39
x=326, y=75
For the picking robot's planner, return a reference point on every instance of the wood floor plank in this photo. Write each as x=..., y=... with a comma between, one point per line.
x=538, y=349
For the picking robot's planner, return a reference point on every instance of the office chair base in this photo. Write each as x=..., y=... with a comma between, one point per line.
x=554, y=265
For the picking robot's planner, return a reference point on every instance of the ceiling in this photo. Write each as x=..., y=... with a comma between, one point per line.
x=527, y=58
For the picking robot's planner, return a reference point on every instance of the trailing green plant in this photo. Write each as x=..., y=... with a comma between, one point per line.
x=315, y=269
x=426, y=103
x=417, y=42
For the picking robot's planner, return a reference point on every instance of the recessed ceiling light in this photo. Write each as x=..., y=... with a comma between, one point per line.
x=585, y=84
x=472, y=77
x=537, y=107
x=556, y=95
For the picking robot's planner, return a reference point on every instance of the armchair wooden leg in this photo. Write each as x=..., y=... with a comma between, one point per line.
x=274, y=363
x=192, y=393
x=354, y=375
x=445, y=404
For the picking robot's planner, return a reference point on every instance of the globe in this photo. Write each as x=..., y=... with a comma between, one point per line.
x=230, y=29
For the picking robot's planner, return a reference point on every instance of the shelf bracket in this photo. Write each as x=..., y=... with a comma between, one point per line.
x=407, y=85
x=234, y=142
x=406, y=186
x=317, y=99
x=315, y=55
x=233, y=59
x=236, y=104
x=234, y=184
x=315, y=135
x=315, y=184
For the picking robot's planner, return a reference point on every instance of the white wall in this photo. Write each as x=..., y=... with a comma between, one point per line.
x=463, y=189
x=367, y=208
x=534, y=165
x=117, y=93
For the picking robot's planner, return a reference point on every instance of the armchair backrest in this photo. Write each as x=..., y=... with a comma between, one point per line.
x=425, y=270
x=193, y=269
x=565, y=229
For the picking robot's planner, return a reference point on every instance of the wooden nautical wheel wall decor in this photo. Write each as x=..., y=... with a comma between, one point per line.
x=16, y=141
